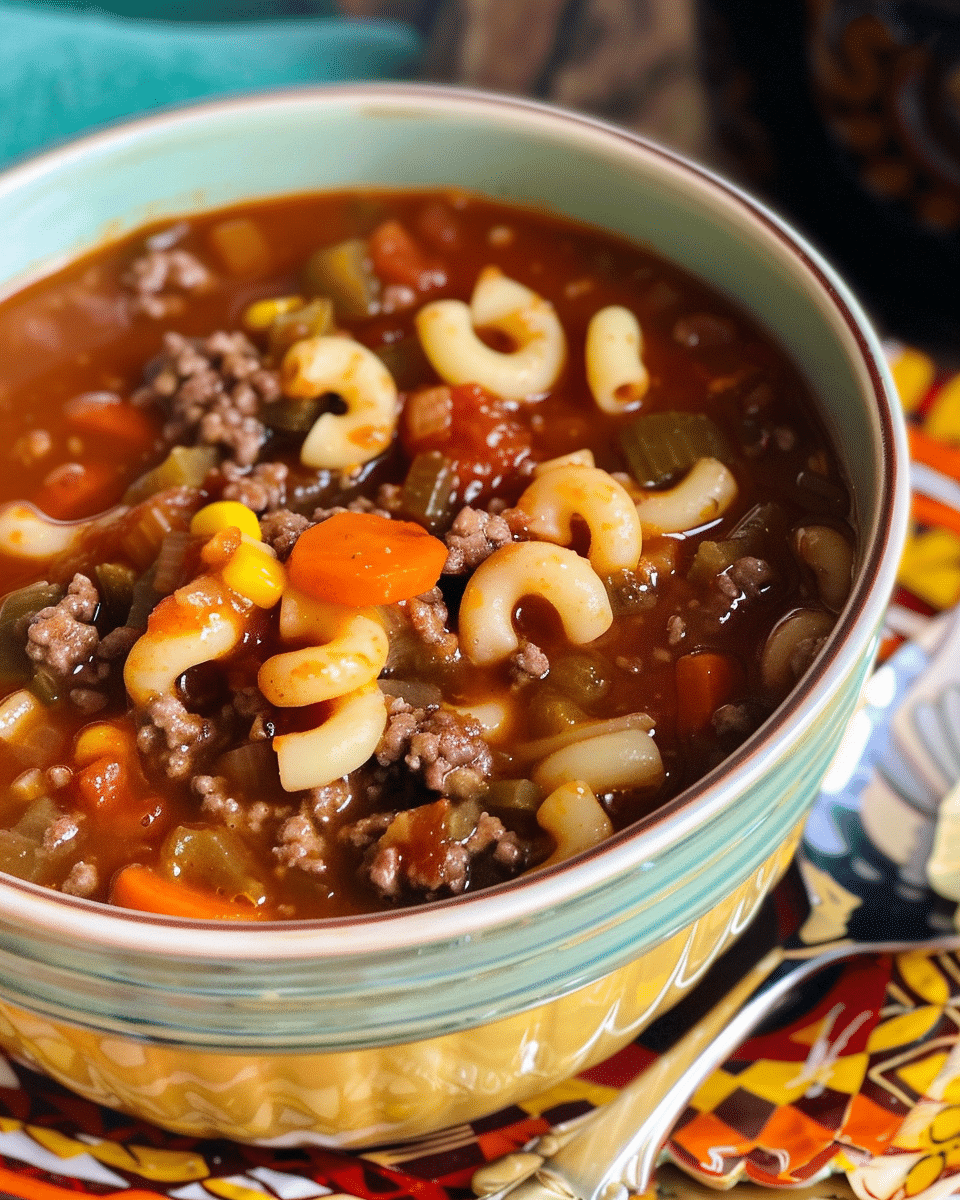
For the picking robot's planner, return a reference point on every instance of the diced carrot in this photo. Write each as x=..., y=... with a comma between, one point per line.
x=104, y=784
x=397, y=258
x=139, y=887
x=361, y=558
x=704, y=682
x=110, y=417
x=79, y=490
x=934, y=513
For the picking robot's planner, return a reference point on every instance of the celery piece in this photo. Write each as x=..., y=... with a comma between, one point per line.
x=406, y=362
x=581, y=677
x=115, y=584
x=760, y=533
x=37, y=819
x=345, y=274
x=252, y=766
x=212, y=859
x=311, y=320
x=143, y=600
x=520, y=794
x=428, y=489
x=184, y=466
x=292, y=414
x=15, y=613
x=660, y=446
x=45, y=686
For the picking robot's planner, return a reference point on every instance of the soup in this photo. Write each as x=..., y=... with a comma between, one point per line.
x=367, y=549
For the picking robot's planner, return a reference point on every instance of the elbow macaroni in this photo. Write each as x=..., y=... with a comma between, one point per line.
x=351, y=651
x=628, y=758
x=342, y=669
x=447, y=330
x=318, y=365
x=574, y=818
x=26, y=532
x=616, y=374
x=558, y=495
x=344, y=741
x=562, y=578
x=705, y=493
x=198, y=623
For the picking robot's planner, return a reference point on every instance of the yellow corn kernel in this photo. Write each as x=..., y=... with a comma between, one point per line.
x=223, y=514
x=913, y=373
x=262, y=313
x=943, y=419
x=930, y=567
x=100, y=740
x=255, y=573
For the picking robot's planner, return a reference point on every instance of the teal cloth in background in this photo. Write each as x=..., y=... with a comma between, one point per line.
x=64, y=71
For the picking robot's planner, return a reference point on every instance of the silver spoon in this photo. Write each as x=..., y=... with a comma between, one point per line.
x=615, y=1148
x=902, y=742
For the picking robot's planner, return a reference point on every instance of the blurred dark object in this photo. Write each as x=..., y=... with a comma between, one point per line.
x=629, y=61
x=846, y=114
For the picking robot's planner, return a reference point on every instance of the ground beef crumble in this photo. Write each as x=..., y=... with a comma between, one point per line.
x=263, y=488
x=281, y=529
x=416, y=850
x=63, y=640
x=529, y=663
x=446, y=750
x=300, y=845
x=160, y=276
x=475, y=534
x=429, y=618
x=174, y=740
x=212, y=388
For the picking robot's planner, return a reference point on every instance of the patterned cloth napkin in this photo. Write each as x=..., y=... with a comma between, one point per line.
x=62, y=71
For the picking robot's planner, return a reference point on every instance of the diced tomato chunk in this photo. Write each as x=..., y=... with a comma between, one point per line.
x=478, y=434
x=397, y=258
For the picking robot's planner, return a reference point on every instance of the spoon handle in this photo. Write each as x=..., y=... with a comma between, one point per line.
x=618, y=1144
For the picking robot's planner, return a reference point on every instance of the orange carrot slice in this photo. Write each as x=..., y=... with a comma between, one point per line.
x=704, y=682
x=141, y=888
x=113, y=419
x=360, y=558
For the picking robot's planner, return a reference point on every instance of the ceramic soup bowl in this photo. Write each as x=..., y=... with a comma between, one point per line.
x=386, y=1026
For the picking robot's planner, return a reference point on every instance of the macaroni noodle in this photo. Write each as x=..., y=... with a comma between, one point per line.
x=447, y=334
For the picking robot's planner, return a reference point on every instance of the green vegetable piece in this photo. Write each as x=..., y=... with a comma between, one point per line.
x=312, y=320
x=143, y=600
x=45, y=686
x=661, y=446
x=406, y=362
x=427, y=493
x=212, y=858
x=521, y=794
x=345, y=274
x=551, y=712
x=15, y=613
x=252, y=766
x=20, y=856
x=761, y=532
x=37, y=819
x=581, y=677
x=184, y=466
x=115, y=584
x=291, y=414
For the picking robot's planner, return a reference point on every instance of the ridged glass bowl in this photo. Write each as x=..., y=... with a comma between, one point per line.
x=354, y=1031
